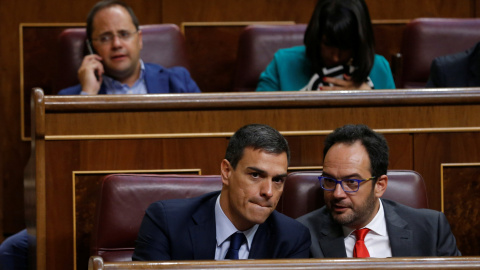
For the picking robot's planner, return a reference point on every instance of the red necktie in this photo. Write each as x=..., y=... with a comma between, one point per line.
x=360, y=250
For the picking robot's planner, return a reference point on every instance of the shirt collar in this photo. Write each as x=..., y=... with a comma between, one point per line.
x=111, y=83
x=377, y=225
x=225, y=228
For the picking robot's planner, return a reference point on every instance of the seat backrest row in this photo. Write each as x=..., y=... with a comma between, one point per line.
x=125, y=197
x=423, y=40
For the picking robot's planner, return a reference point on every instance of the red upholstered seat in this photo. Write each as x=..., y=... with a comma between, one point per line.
x=163, y=44
x=123, y=201
x=425, y=39
x=303, y=193
x=257, y=45
x=125, y=197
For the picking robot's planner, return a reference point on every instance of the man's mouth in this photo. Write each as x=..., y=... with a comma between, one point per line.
x=263, y=204
x=339, y=207
x=119, y=57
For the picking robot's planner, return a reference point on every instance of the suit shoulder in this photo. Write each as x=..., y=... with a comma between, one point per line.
x=285, y=223
x=171, y=70
x=409, y=212
x=314, y=218
x=181, y=206
x=72, y=90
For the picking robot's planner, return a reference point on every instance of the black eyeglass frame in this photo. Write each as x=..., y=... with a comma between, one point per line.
x=109, y=37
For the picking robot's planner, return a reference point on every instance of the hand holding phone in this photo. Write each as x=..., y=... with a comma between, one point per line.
x=90, y=71
x=90, y=51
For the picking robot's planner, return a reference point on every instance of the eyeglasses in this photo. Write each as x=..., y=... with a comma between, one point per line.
x=108, y=37
x=348, y=185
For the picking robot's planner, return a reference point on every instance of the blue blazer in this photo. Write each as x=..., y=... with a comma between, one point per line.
x=412, y=232
x=159, y=80
x=184, y=229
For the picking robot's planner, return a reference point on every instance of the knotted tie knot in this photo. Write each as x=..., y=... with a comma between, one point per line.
x=236, y=241
x=360, y=250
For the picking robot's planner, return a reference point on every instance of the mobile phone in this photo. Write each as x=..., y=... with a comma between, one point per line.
x=90, y=51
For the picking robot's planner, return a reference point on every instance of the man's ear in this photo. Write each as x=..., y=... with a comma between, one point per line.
x=140, y=39
x=226, y=171
x=381, y=186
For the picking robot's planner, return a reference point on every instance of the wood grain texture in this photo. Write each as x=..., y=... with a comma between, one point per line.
x=15, y=152
x=433, y=149
x=96, y=262
x=424, y=128
x=461, y=192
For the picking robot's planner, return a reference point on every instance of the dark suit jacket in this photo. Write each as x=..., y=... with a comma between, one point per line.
x=184, y=229
x=159, y=80
x=456, y=70
x=412, y=232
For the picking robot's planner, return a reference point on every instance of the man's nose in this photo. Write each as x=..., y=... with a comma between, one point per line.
x=267, y=188
x=116, y=41
x=338, y=192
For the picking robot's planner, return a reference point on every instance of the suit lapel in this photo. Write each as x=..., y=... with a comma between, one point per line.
x=261, y=242
x=331, y=240
x=203, y=233
x=401, y=238
x=156, y=80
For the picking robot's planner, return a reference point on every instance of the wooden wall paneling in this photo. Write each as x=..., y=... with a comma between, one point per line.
x=191, y=131
x=95, y=158
x=15, y=152
x=433, y=149
x=38, y=64
x=461, y=198
x=174, y=11
x=212, y=51
x=402, y=10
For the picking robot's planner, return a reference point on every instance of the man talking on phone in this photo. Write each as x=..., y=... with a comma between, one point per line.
x=114, y=65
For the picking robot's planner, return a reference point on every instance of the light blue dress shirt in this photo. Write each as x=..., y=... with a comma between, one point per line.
x=224, y=229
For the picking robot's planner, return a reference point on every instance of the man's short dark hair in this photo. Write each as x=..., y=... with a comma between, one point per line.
x=105, y=4
x=257, y=136
x=374, y=143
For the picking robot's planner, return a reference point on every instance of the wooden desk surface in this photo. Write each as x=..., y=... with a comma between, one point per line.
x=78, y=139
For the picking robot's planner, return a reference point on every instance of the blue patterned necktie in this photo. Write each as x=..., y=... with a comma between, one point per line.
x=236, y=241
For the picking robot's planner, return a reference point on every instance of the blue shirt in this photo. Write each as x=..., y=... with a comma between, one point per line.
x=224, y=229
x=114, y=87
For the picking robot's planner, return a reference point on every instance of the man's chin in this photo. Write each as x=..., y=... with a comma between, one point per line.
x=342, y=218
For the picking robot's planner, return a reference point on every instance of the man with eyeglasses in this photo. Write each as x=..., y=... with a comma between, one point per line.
x=355, y=222
x=114, y=65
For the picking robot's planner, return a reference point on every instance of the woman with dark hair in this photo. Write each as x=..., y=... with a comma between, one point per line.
x=338, y=53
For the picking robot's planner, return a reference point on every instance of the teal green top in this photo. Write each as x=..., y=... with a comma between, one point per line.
x=290, y=70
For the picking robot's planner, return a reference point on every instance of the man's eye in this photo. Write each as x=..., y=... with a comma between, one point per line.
x=105, y=38
x=328, y=180
x=279, y=180
x=255, y=175
x=349, y=181
x=124, y=34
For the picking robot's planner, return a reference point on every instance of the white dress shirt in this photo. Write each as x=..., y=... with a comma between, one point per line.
x=376, y=241
x=224, y=229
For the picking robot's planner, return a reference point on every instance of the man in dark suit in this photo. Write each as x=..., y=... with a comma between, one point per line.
x=355, y=222
x=238, y=222
x=456, y=70
x=114, y=65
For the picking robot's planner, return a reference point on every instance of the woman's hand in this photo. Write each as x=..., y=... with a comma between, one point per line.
x=345, y=84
